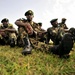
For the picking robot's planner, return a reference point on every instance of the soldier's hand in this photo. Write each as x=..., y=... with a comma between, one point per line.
x=2, y=33
x=35, y=32
x=2, y=30
x=28, y=28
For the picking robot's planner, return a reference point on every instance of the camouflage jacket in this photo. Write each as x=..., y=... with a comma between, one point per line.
x=55, y=34
x=23, y=30
x=10, y=26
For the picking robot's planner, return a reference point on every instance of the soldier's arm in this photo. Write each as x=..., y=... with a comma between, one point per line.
x=7, y=29
x=2, y=32
x=66, y=30
x=65, y=26
x=26, y=25
x=20, y=23
x=10, y=30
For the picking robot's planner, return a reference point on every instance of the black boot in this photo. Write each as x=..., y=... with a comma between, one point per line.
x=2, y=42
x=64, y=47
x=67, y=44
x=20, y=42
x=27, y=47
x=12, y=42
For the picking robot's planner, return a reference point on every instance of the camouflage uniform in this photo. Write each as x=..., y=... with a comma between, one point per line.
x=63, y=42
x=7, y=36
x=55, y=34
x=41, y=33
x=24, y=39
x=22, y=32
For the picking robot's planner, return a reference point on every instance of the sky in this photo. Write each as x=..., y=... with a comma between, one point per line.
x=44, y=11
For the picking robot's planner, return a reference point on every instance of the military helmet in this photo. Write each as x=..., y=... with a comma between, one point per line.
x=4, y=20
x=53, y=20
x=29, y=12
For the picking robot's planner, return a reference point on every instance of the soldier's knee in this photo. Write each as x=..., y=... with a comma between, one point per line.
x=2, y=41
x=12, y=42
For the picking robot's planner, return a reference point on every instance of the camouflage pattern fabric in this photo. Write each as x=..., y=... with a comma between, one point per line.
x=55, y=34
x=37, y=45
x=7, y=35
x=64, y=47
x=22, y=33
x=34, y=39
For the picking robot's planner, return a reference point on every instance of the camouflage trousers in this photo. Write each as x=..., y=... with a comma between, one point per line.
x=36, y=44
x=63, y=48
x=20, y=41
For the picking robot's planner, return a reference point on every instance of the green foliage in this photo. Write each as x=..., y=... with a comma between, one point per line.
x=12, y=62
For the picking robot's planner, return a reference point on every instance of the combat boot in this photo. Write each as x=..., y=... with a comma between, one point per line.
x=27, y=46
x=67, y=44
x=2, y=42
x=64, y=47
x=12, y=42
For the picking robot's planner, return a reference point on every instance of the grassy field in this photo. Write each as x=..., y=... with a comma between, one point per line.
x=12, y=62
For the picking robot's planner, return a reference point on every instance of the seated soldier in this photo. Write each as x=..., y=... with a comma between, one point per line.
x=55, y=32
x=7, y=33
x=41, y=33
x=26, y=30
x=63, y=44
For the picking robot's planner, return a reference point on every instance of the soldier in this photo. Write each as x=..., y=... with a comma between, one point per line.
x=7, y=33
x=26, y=30
x=63, y=42
x=62, y=24
x=39, y=25
x=54, y=33
x=41, y=33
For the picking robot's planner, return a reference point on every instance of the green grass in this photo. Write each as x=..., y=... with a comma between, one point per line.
x=12, y=62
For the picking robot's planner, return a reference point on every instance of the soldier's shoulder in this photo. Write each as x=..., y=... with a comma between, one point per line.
x=1, y=25
x=10, y=24
x=35, y=23
x=22, y=20
x=49, y=28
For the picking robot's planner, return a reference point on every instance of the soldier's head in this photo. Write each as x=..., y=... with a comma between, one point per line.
x=29, y=15
x=72, y=31
x=54, y=22
x=4, y=21
x=63, y=20
x=39, y=25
